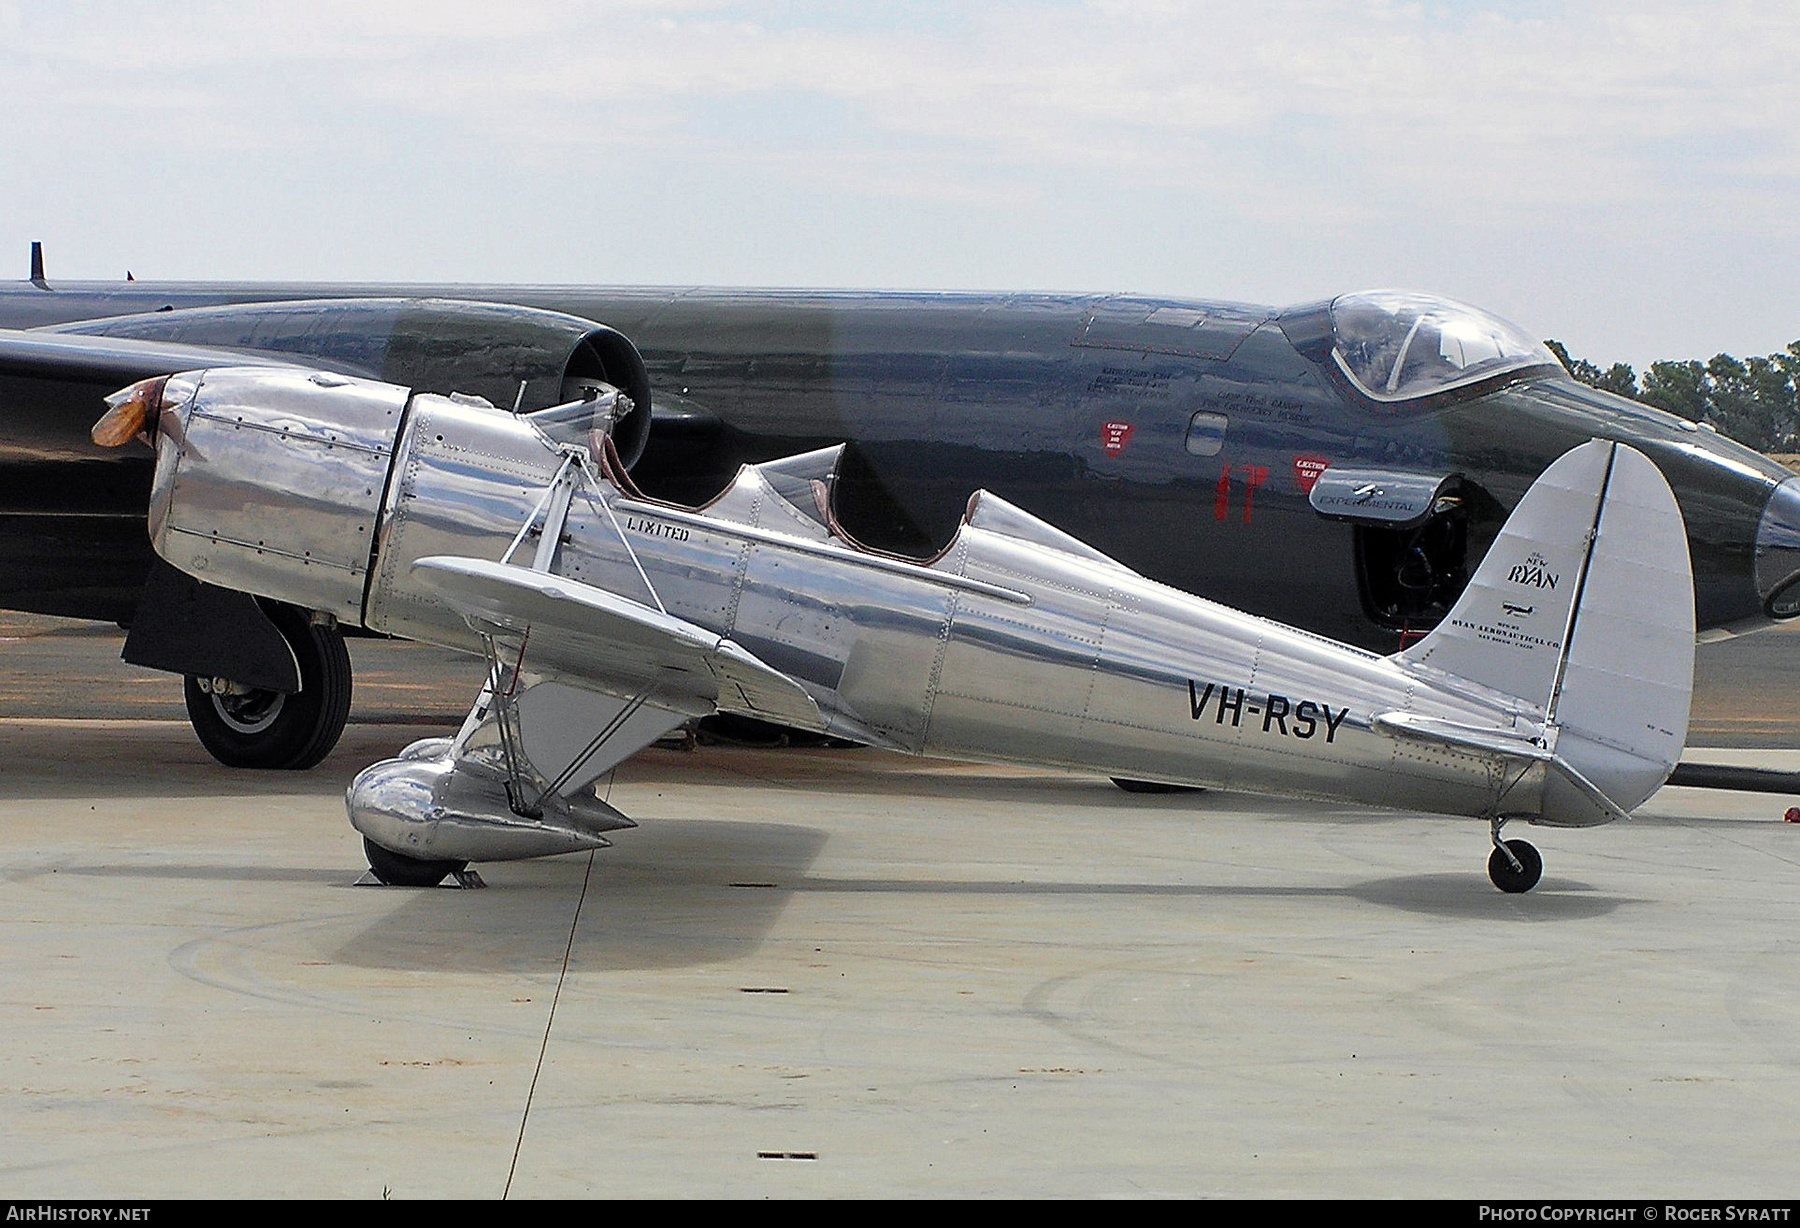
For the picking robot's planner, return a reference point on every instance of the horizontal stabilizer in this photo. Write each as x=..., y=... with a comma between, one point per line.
x=1489, y=742
x=1570, y=799
x=610, y=643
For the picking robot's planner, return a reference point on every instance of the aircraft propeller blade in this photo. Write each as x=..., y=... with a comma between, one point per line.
x=132, y=413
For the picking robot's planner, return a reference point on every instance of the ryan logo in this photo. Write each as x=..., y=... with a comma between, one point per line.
x=1534, y=572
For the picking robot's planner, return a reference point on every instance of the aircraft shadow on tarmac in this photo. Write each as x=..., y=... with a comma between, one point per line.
x=686, y=889
x=1469, y=895
x=682, y=893
x=695, y=893
x=690, y=893
x=1448, y=894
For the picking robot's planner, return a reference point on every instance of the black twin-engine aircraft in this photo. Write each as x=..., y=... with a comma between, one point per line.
x=1339, y=465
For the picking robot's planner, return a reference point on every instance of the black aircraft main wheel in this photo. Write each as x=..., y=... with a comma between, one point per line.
x=399, y=870
x=1154, y=786
x=267, y=729
x=1509, y=880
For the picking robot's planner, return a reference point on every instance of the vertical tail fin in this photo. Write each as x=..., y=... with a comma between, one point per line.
x=1584, y=610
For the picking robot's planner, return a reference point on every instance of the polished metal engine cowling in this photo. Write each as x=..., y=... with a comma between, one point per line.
x=465, y=478
x=275, y=480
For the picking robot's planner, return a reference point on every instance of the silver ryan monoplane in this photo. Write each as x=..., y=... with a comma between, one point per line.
x=1556, y=691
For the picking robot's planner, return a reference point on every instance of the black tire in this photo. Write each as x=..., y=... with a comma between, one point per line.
x=1509, y=880
x=399, y=870
x=1154, y=786
x=267, y=729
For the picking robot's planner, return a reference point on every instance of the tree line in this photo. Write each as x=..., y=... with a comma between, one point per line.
x=1756, y=401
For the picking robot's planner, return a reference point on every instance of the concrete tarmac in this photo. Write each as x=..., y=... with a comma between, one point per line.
x=846, y=973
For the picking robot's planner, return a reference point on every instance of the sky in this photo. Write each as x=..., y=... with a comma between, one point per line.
x=1623, y=175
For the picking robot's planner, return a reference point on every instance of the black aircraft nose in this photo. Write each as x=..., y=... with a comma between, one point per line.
x=1778, y=552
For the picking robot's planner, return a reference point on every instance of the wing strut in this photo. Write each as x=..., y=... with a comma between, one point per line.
x=506, y=717
x=556, y=497
x=576, y=471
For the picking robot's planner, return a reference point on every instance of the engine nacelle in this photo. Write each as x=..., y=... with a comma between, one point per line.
x=516, y=357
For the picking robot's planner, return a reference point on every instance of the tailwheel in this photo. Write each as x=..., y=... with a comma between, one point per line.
x=399, y=870
x=1515, y=866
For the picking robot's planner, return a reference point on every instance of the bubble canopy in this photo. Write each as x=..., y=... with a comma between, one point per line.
x=1400, y=345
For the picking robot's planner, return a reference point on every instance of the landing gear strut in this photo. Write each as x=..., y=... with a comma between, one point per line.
x=1515, y=866
x=249, y=728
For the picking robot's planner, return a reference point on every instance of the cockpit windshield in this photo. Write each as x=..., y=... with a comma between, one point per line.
x=1398, y=345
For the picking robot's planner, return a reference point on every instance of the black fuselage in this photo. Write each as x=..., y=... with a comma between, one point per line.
x=1180, y=437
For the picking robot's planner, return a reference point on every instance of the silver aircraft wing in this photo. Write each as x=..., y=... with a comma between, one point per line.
x=592, y=636
x=597, y=678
